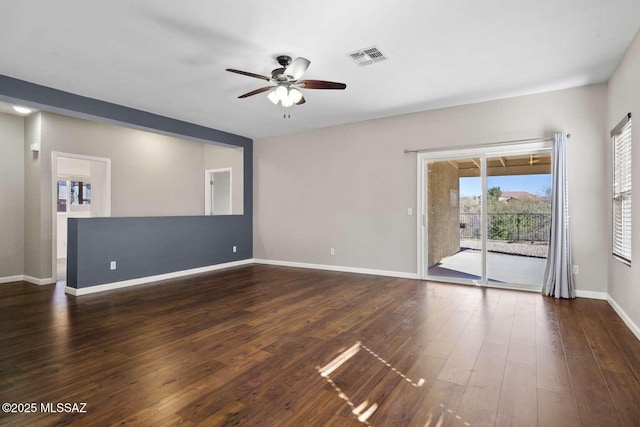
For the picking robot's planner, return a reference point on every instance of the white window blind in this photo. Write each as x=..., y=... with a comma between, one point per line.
x=621, y=136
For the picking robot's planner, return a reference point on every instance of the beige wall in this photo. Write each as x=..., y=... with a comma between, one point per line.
x=349, y=186
x=34, y=264
x=151, y=175
x=217, y=157
x=624, y=97
x=11, y=195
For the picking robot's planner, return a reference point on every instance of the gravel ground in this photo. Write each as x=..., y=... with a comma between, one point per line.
x=538, y=250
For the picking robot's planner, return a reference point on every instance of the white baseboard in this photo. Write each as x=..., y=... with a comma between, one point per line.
x=36, y=281
x=139, y=281
x=625, y=318
x=10, y=279
x=25, y=278
x=592, y=294
x=339, y=268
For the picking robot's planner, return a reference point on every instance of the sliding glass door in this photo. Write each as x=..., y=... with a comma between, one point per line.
x=454, y=222
x=518, y=217
x=486, y=215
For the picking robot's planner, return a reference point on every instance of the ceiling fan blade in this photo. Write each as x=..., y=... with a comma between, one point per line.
x=302, y=101
x=246, y=73
x=321, y=84
x=255, y=92
x=297, y=68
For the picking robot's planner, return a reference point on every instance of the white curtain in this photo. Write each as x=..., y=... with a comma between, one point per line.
x=558, y=278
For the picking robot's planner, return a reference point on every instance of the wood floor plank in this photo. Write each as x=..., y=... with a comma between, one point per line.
x=552, y=371
x=499, y=331
x=595, y=404
x=402, y=403
x=443, y=343
x=479, y=404
x=459, y=365
x=617, y=373
x=522, y=345
x=557, y=409
x=626, y=342
x=518, y=396
x=439, y=406
x=242, y=347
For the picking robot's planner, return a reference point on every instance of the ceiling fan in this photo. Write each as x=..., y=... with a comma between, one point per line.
x=287, y=82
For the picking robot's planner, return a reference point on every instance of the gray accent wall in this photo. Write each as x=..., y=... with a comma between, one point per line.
x=145, y=247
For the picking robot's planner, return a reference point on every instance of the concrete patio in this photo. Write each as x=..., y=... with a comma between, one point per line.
x=502, y=268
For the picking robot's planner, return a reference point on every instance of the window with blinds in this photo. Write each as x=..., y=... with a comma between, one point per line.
x=621, y=137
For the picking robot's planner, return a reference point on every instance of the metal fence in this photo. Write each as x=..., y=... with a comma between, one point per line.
x=531, y=227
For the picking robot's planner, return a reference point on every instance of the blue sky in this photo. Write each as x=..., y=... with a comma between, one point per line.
x=534, y=184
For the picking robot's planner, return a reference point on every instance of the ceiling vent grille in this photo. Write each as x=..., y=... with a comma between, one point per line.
x=367, y=56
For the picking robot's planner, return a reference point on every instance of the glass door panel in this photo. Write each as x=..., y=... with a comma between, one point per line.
x=454, y=219
x=518, y=217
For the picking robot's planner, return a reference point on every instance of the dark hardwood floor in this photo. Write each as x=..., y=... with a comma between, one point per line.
x=273, y=346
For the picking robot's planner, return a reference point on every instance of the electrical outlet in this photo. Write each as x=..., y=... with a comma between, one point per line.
x=112, y=265
x=235, y=249
x=409, y=211
x=333, y=251
x=576, y=269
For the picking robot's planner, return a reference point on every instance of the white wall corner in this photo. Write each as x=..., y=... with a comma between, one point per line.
x=591, y=294
x=36, y=281
x=625, y=318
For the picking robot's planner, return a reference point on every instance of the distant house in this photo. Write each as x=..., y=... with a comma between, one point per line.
x=511, y=195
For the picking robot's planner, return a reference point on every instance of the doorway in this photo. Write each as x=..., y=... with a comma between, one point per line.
x=218, y=191
x=486, y=215
x=81, y=189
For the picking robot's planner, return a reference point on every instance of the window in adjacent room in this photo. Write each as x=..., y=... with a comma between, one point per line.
x=621, y=137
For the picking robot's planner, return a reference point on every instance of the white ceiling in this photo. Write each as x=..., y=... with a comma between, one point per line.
x=169, y=57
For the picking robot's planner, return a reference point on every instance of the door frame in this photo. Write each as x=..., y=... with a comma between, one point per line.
x=422, y=220
x=207, y=193
x=54, y=199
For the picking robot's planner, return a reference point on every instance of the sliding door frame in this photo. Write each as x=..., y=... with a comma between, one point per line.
x=422, y=223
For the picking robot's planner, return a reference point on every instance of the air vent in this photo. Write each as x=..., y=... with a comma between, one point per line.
x=367, y=56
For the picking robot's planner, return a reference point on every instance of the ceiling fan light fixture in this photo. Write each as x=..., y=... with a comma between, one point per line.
x=286, y=88
x=273, y=97
x=295, y=95
x=282, y=92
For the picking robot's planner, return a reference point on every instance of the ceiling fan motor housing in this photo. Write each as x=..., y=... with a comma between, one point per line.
x=284, y=60
x=278, y=75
